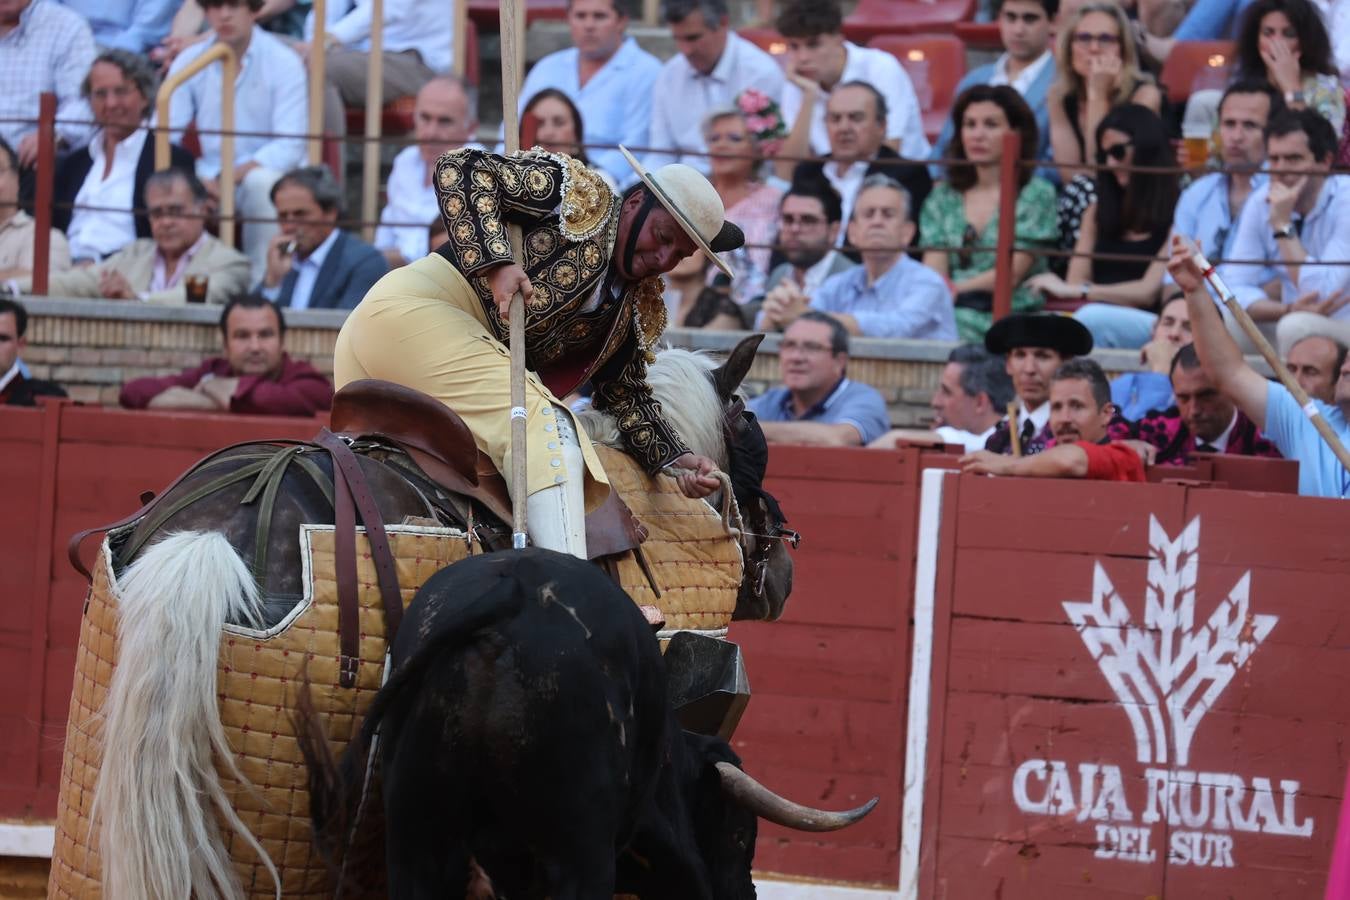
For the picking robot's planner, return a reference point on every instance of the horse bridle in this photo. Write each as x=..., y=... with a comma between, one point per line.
x=765, y=517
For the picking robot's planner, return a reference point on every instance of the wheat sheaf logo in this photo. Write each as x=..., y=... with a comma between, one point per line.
x=1168, y=672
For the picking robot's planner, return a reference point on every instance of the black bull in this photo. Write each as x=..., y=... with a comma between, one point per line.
x=525, y=729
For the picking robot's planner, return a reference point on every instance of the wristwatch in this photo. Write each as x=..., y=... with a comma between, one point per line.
x=1292, y=97
x=1285, y=233
x=1084, y=291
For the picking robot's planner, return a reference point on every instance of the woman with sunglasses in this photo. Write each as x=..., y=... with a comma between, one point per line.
x=962, y=210
x=1114, y=266
x=1098, y=69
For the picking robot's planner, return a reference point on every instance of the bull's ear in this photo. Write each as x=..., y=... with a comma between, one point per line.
x=730, y=374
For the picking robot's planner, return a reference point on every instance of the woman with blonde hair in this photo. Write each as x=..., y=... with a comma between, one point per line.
x=1098, y=70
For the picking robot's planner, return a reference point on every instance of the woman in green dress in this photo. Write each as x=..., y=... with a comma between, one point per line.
x=962, y=210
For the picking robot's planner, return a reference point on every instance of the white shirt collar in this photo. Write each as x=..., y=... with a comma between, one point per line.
x=1220, y=443
x=129, y=148
x=1039, y=416
x=13, y=373
x=320, y=253
x=1022, y=83
x=816, y=275
x=726, y=63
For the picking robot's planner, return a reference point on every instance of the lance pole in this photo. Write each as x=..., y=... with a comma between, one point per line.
x=513, y=41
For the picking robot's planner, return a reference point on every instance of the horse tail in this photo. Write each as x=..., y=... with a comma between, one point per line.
x=159, y=796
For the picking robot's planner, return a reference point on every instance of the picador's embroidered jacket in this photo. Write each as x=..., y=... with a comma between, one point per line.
x=584, y=320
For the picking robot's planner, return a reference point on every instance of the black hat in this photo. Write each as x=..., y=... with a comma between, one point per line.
x=1063, y=334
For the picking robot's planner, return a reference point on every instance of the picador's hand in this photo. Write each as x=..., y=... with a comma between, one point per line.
x=695, y=475
x=506, y=280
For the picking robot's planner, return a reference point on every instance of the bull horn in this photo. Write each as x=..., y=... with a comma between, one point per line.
x=769, y=806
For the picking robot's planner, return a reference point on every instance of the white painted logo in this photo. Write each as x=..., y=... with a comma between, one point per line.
x=1167, y=674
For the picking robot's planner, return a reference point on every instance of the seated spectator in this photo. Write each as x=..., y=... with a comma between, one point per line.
x=1208, y=209
x=1131, y=218
x=443, y=119
x=100, y=190
x=855, y=123
x=1033, y=348
x=1268, y=404
x=270, y=98
x=1098, y=69
x=17, y=228
x=1202, y=421
x=43, y=47
x=559, y=128
x=713, y=67
x=135, y=26
x=819, y=60
x=18, y=387
x=889, y=295
x=1136, y=394
x=311, y=264
x=285, y=18
x=156, y=269
x=609, y=78
x=1081, y=413
x=970, y=400
x=1027, y=66
x=255, y=376
x=736, y=164
x=415, y=51
x=1285, y=44
x=1297, y=216
x=808, y=229
x=691, y=302
x=817, y=403
x=1316, y=363
x=962, y=211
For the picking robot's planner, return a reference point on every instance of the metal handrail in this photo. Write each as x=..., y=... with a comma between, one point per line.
x=230, y=61
x=370, y=164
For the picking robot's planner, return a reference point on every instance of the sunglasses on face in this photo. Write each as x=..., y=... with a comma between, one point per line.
x=1087, y=39
x=787, y=220
x=1118, y=153
x=1026, y=18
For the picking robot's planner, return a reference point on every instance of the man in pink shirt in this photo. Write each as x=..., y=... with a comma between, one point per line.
x=255, y=376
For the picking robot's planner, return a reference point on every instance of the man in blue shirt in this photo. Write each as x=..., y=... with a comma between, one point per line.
x=1208, y=209
x=817, y=403
x=890, y=295
x=1027, y=65
x=1268, y=404
x=609, y=78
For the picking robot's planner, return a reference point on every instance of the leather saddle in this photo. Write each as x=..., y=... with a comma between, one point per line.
x=439, y=442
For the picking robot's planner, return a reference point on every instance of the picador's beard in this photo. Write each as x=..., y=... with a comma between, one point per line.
x=630, y=246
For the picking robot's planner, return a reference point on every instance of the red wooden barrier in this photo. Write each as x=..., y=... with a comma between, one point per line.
x=999, y=675
x=1136, y=692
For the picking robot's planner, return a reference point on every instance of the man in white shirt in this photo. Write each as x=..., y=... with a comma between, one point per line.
x=310, y=263
x=818, y=53
x=1295, y=221
x=711, y=70
x=270, y=98
x=43, y=47
x=608, y=77
x=971, y=397
x=416, y=48
x=443, y=119
x=99, y=198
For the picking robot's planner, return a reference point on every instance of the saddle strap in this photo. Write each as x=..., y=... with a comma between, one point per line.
x=351, y=490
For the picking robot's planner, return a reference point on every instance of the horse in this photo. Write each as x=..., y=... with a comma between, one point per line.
x=184, y=572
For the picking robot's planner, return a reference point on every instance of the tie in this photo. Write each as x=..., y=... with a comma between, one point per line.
x=1206, y=447
x=1028, y=432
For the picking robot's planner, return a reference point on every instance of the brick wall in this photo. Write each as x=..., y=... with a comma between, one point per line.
x=92, y=347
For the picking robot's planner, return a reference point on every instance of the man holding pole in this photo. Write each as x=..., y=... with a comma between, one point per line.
x=1285, y=414
x=593, y=311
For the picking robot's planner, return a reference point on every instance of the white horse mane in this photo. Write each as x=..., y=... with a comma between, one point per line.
x=681, y=381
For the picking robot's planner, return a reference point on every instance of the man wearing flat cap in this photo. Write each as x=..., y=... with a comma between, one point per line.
x=1033, y=347
x=593, y=312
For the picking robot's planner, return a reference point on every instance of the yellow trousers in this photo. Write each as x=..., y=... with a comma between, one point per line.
x=422, y=326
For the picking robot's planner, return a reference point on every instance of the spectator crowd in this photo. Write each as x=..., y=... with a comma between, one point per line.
x=857, y=225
